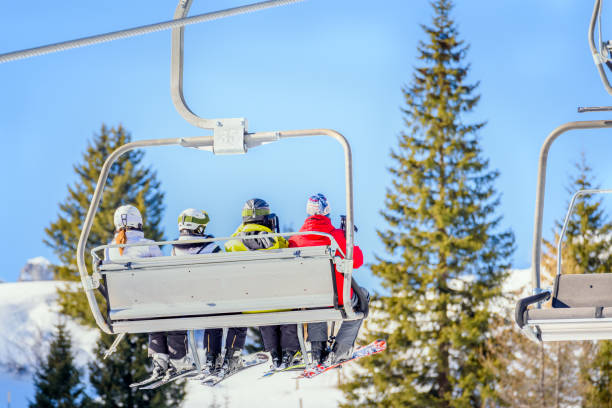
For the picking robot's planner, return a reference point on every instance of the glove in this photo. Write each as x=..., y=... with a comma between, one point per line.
x=258, y=243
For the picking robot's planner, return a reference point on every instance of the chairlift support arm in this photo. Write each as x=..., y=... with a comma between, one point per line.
x=239, y=125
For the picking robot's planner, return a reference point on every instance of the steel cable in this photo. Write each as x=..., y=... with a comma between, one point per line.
x=146, y=29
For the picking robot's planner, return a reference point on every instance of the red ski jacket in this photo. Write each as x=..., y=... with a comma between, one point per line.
x=321, y=223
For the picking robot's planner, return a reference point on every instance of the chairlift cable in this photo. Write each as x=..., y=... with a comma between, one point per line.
x=146, y=29
x=587, y=109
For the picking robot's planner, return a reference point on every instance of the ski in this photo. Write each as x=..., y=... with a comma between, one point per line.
x=373, y=348
x=146, y=381
x=295, y=367
x=248, y=361
x=164, y=381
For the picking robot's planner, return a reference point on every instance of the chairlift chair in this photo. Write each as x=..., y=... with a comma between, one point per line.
x=256, y=288
x=581, y=307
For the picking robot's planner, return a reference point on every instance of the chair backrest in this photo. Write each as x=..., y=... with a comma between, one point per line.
x=583, y=290
x=221, y=283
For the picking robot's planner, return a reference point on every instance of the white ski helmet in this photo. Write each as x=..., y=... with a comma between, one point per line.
x=127, y=216
x=193, y=220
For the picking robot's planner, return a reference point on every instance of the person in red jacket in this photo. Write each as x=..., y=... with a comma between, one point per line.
x=318, y=220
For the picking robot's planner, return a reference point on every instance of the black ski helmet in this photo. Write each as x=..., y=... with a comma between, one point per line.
x=255, y=210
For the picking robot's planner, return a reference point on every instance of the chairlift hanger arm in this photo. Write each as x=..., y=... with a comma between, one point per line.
x=254, y=139
x=597, y=57
x=541, y=187
x=146, y=29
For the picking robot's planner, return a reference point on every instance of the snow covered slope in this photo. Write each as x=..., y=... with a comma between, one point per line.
x=28, y=313
x=248, y=389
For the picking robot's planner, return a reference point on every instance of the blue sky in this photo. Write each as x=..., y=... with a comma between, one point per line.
x=337, y=64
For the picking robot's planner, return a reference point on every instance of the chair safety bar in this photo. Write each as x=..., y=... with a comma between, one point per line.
x=598, y=58
x=334, y=243
x=568, y=216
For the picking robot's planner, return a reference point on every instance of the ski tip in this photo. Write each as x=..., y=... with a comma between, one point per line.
x=381, y=343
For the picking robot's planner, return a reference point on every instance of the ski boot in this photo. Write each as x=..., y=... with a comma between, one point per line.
x=318, y=351
x=290, y=358
x=340, y=352
x=213, y=363
x=178, y=367
x=160, y=365
x=275, y=359
x=231, y=362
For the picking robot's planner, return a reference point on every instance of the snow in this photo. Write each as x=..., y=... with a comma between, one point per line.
x=518, y=281
x=39, y=260
x=36, y=269
x=248, y=389
x=28, y=314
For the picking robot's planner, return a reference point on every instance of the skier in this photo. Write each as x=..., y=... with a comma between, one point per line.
x=168, y=349
x=280, y=341
x=192, y=225
x=318, y=220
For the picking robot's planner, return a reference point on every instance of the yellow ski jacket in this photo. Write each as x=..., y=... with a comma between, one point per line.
x=262, y=242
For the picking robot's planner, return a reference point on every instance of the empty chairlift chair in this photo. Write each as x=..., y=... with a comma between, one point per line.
x=581, y=307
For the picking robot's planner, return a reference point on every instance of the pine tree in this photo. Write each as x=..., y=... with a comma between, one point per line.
x=523, y=367
x=110, y=378
x=598, y=377
x=128, y=183
x=57, y=380
x=447, y=257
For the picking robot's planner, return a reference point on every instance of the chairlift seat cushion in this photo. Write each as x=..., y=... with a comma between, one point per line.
x=220, y=284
